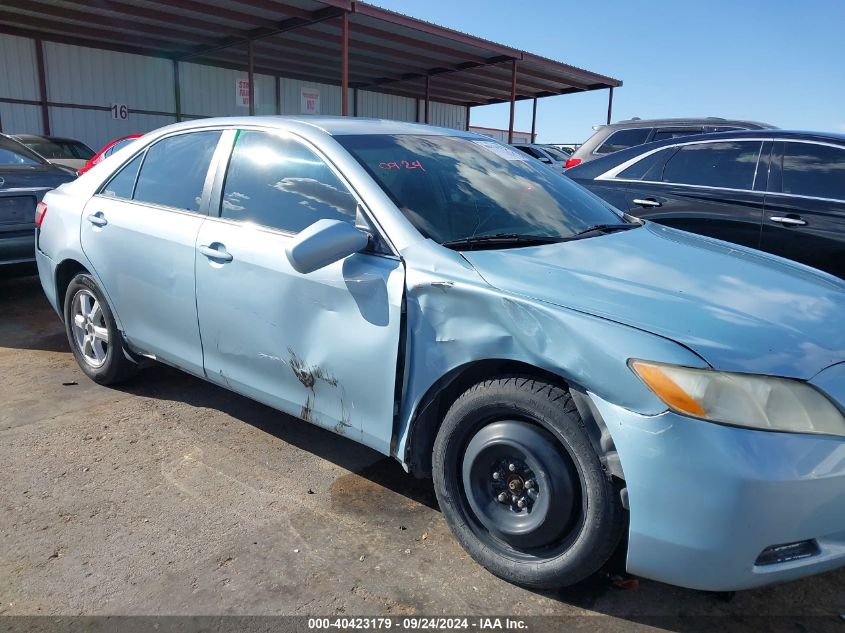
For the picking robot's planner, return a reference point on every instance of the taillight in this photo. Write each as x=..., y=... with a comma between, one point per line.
x=571, y=162
x=40, y=212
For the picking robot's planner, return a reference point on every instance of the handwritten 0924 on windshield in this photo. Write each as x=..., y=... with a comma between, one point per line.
x=402, y=164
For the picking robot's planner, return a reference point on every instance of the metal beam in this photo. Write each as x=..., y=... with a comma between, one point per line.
x=116, y=23
x=177, y=91
x=344, y=66
x=19, y=24
x=609, y=104
x=250, y=72
x=278, y=94
x=534, y=121
x=513, y=100
x=427, y=96
x=42, y=86
x=282, y=27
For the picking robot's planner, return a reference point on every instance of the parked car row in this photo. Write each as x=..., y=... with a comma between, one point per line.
x=625, y=134
x=569, y=375
x=24, y=179
x=31, y=165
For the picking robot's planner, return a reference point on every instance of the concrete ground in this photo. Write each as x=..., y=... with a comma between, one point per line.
x=172, y=496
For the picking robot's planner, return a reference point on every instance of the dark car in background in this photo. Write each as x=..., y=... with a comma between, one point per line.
x=66, y=152
x=24, y=179
x=624, y=134
x=778, y=191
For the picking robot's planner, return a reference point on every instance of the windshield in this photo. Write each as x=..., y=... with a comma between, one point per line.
x=458, y=188
x=13, y=154
x=61, y=149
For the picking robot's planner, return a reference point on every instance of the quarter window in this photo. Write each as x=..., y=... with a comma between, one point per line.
x=729, y=165
x=173, y=173
x=280, y=183
x=123, y=183
x=814, y=170
x=623, y=139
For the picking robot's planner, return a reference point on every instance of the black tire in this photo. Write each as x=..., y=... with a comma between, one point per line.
x=534, y=426
x=115, y=366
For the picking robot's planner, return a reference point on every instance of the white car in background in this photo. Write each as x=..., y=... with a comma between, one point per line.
x=546, y=154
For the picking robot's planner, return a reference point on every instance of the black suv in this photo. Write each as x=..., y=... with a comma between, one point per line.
x=778, y=191
x=624, y=134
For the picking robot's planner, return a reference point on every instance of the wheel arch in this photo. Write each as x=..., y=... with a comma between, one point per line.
x=433, y=406
x=66, y=270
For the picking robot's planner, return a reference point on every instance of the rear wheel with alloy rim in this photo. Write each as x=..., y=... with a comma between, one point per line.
x=94, y=338
x=521, y=486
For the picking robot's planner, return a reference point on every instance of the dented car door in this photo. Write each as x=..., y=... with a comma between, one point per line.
x=321, y=346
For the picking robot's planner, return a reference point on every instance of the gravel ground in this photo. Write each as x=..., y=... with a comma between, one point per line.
x=172, y=496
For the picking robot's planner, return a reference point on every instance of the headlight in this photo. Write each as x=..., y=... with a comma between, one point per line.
x=759, y=402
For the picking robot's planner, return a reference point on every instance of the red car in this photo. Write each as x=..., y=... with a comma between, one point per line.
x=107, y=151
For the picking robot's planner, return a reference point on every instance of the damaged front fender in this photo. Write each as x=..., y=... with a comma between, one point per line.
x=455, y=320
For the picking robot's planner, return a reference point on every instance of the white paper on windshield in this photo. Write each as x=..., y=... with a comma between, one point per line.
x=508, y=153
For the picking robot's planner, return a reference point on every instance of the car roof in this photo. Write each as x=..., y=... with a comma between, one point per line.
x=711, y=120
x=333, y=125
x=600, y=165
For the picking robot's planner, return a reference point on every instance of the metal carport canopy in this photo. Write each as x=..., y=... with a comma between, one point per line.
x=352, y=44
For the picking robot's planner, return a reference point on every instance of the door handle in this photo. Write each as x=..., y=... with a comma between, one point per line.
x=98, y=219
x=647, y=202
x=216, y=251
x=788, y=221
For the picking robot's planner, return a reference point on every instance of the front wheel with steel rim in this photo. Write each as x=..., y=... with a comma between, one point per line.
x=94, y=338
x=521, y=486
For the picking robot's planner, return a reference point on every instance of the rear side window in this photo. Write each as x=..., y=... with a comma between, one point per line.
x=279, y=183
x=730, y=165
x=623, y=139
x=174, y=171
x=814, y=170
x=662, y=135
x=123, y=183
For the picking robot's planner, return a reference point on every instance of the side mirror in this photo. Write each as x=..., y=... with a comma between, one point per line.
x=323, y=243
x=543, y=159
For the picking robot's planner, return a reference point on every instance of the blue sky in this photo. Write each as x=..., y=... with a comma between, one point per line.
x=778, y=61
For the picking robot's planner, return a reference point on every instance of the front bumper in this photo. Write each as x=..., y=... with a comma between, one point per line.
x=706, y=499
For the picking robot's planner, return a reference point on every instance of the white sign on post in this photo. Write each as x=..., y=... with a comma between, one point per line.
x=119, y=111
x=242, y=93
x=309, y=101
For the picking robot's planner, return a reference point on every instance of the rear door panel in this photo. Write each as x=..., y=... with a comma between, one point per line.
x=818, y=242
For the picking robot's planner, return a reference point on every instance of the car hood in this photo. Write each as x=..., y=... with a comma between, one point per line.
x=739, y=309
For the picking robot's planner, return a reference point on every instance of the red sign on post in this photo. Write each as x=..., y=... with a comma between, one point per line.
x=309, y=101
x=242, y=92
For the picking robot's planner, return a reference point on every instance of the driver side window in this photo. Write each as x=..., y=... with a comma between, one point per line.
x=279, y=183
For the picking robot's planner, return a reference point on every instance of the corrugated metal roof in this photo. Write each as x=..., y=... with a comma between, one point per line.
x=388, y=52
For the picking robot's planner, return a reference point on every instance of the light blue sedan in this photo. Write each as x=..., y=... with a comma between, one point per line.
x=567, y=374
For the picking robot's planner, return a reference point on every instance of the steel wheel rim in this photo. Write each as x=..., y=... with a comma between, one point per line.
x=88, y=325
x=530, y=519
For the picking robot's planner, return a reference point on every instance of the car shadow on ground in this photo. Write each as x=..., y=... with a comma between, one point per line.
x=29, y=322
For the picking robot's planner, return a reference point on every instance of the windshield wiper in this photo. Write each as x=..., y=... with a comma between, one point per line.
x=503, y=239
x=604, y=228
